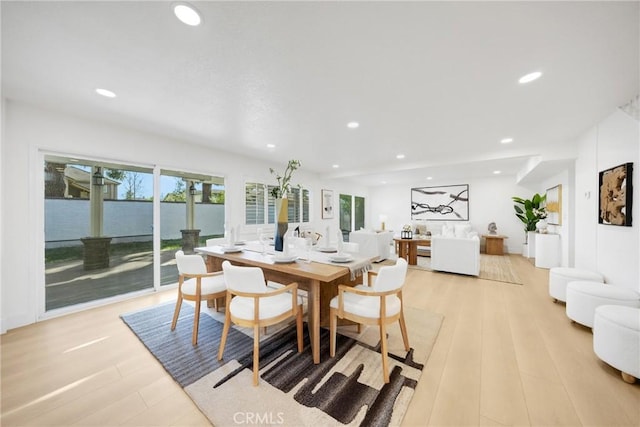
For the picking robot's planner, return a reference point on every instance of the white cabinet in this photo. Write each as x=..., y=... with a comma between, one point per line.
x=547, y=250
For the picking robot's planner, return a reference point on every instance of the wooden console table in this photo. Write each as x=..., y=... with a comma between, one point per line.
x=408, y=248
x=495, y=244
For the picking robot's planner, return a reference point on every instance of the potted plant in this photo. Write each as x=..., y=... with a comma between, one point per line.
x=530, y=211
x=281, y=208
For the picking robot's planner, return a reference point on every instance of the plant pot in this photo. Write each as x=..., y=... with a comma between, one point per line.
x=282, y=223
x=525, y=250
x=531, y=242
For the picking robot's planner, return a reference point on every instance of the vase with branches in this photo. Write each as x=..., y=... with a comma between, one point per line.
x=279, y=193
x=284, y=180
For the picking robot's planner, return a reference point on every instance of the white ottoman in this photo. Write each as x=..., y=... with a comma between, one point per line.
x=584, y=297
x=616, y=339
x=559, y=278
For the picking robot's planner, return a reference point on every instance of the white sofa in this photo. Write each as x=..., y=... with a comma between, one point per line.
x=456, y=254
x=372, y=244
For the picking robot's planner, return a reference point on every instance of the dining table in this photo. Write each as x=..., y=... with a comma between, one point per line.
x=314, y=272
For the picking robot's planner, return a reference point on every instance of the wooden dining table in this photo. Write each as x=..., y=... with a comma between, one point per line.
x=320, y=280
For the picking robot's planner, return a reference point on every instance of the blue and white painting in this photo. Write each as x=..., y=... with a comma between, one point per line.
x=445, y=203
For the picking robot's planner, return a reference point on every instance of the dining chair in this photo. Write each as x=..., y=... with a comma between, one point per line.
x=198, y=286
x=251, y=304
x=377, y=303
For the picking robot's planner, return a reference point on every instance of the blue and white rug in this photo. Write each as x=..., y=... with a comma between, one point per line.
x=345, y=390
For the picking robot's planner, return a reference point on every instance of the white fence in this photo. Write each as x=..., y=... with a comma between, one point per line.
x=67, y=220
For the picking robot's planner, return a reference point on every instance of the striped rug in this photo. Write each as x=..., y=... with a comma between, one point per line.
x=345, y=390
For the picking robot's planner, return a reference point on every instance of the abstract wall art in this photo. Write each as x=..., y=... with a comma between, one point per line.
x=327, y=204
x=554, y=205
x=445, y=203
x=616, y=195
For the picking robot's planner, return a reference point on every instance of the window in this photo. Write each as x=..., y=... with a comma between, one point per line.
x=260, y=204
x=351, y=213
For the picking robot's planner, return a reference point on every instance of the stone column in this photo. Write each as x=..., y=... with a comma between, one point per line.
x=96, y=252
x=190, y=240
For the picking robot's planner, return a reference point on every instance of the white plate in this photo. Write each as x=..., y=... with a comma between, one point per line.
x=231, y=249
x=340, y=258
x=284, y=258
x=327, y=249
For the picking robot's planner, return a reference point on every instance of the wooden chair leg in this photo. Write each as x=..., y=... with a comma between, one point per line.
x=225, y=331
x=383, y=352
x=359, y=328
x=403, y=329
x=176, y=312
x=299, y=328
x=196, y=323
x=256, y=353
x=333, y=323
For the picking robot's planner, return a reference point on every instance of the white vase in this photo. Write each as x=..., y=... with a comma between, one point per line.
x=531, y=242
x=525, y=250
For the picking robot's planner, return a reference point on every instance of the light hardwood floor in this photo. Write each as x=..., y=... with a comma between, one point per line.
x=506, y=355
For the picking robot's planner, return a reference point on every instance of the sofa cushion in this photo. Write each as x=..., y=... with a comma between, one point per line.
x=462, y=230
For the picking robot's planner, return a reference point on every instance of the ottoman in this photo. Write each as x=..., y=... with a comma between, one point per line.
x=559, y=278
x=616, y=339
x=584, y=297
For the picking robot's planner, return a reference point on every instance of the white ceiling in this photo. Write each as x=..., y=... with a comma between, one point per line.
x=435, y=81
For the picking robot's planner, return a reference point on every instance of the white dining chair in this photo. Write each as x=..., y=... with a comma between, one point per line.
x=198, y=286
x=251, y=304
x=377, y=303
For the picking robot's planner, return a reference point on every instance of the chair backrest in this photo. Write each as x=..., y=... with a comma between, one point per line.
x=190, y=264
x=391, y=277
x=244, y=279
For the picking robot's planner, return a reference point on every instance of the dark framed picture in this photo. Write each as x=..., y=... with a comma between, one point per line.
x=445, y=203
x=616, y=195
x=327, y=204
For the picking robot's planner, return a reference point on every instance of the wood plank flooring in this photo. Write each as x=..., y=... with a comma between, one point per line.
x=506, y=355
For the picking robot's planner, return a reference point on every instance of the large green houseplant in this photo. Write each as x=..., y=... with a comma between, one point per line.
x=530, y=211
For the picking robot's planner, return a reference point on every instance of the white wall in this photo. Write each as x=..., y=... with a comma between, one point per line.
x=567, y=227
x=30, y=131
x=489, y=201
x=611, y=250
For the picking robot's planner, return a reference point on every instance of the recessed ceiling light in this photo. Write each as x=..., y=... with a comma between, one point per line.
x=353, y=125
x=497, y=172
x=400, y=156
x=383, y=182
x=187, y=14
x=271, y=146
x=105, y=92
x=429, y=178
x=335, y=166
x=506, y=140
x=530, y=77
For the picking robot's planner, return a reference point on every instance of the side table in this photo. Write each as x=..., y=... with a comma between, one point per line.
x=494, y=244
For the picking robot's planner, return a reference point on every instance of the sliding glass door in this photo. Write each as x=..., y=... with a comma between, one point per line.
x=99, y=220
x=351, y=214
x=98, y=230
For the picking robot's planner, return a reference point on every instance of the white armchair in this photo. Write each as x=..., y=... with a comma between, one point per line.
x=456, y=254
x=372, y=244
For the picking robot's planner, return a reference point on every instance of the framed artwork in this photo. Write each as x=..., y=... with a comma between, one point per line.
x=446, y=203
x=327, y=204
x=554, y=205
x=616, y=195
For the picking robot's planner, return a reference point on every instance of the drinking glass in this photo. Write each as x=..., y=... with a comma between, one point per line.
x=308, y=245
x=263, y=235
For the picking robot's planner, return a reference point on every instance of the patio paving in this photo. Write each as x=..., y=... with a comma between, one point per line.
x=67, y=283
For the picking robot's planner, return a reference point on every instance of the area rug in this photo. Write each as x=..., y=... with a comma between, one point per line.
x=497, y=268
x=345, y=390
